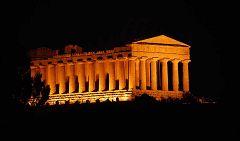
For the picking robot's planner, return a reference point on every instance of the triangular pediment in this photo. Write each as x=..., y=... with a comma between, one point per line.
x=161, y=40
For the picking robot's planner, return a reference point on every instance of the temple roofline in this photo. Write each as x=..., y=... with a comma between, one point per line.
x=162, y=40
x=176, y=45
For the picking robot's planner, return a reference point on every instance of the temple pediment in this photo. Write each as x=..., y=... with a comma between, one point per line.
x=161, y=40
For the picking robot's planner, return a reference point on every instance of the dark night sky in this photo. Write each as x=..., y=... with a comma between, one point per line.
x=102, y=25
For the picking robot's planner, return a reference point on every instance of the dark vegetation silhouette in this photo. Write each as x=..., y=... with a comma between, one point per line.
x=40, y=90
x=23, y=90
x=31, y=89
x=145, y=99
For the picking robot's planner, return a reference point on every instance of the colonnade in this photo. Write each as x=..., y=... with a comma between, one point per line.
x=121, y=73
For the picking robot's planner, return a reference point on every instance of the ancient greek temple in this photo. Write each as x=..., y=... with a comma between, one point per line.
x=156, y=66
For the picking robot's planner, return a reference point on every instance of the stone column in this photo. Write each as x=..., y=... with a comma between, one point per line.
x=81, y=76
x=56, y=74
x=102, y=76
x=91, y=81
x=72, y=85
x=148, y=69
x=111, y=72
x=62, y=78
x=121, y=73
x=143, y=73
x=132, y=74
x=51, y=78
x=137, y=72
x=116, y=69
x=154, y=73
x=185, y=75
x=175, y=76
x=159, y=74
x=33, y=71
x=126, y=68
x=164, y=62
x=43, y=72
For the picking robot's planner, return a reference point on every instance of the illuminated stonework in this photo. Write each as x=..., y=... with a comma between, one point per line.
x=156, y=66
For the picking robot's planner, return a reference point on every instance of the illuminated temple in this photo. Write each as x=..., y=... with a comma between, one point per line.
x=156, y=66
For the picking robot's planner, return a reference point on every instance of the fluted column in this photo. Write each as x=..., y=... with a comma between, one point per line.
x=33, y=71
x=102, y=76
x=81, y=76
x=164, y=62
x=185, y=75
x=72, y=85
x=154, y=73
x=137, y=72
x=91, y=81
x=175, y=76
x=159, y=74
x=148, y=69
x=43, y=72
x=121, y=73
x=143, y=73
x=126, y=68
x=111, y=72
x=62, y=78
x=132, y=74
x=51, y=78
x=56, y=74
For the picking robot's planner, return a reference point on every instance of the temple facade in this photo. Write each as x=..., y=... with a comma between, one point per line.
x=156, y=66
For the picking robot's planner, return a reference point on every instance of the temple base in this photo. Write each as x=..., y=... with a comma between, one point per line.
x=113, y=96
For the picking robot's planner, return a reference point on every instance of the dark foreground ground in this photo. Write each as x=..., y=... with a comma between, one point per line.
x=122, y=121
